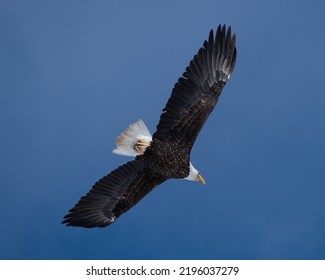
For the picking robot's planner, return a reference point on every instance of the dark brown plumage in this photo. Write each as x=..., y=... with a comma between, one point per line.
x=193, y=98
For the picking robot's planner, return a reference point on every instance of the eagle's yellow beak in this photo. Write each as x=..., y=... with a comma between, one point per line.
x=201, y=179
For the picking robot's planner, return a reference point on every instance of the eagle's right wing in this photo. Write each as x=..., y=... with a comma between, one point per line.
x=197, y=92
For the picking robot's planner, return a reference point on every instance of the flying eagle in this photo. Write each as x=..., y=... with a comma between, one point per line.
x=166, y=154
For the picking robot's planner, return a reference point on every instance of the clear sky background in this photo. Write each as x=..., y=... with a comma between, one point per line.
x=74, y=74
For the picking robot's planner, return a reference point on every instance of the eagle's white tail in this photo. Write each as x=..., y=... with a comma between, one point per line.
x=134, y=140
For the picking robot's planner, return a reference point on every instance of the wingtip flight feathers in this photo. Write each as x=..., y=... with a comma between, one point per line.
x=215, y=60
x=226, y=46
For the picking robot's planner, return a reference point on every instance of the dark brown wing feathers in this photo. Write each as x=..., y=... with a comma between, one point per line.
x=197, y=92
x=112, y=195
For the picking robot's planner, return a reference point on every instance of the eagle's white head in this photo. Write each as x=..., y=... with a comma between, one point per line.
x=195, y=175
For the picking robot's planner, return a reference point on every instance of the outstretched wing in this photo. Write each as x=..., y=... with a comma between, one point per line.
x=196, y=93
x=113, y=195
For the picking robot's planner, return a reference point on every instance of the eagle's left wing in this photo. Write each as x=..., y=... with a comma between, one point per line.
x=113, y=195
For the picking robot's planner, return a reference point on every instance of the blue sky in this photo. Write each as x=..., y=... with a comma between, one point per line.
x=74, y=74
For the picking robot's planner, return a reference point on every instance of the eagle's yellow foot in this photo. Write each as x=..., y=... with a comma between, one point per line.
x=140, y=146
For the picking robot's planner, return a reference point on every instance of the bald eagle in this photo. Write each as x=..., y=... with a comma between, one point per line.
x=165, y=154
